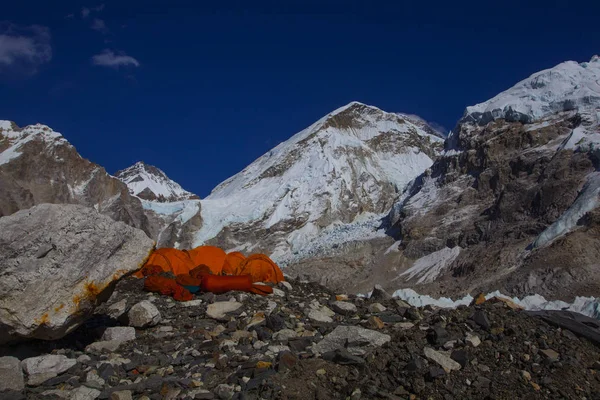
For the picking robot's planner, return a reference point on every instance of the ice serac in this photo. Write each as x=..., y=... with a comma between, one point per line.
x=173, y=213
x=38, y=165
x=327, y=185
x=513, y=202
x=150, y=183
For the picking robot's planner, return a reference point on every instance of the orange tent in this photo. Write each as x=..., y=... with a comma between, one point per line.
x=168, y=260
x=261, y=269
x=211, y=256
x=232, y=262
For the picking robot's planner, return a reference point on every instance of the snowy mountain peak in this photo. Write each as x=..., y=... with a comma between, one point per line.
x=353, y=162
x=13, y=138
x=565, y=87
x=151, y=183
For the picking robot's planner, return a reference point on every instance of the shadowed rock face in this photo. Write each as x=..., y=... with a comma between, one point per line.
x=58, y=262
x=502, y=185
x=37, y=165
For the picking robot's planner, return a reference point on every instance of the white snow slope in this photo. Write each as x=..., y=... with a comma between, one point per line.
x=17, y=137
x=327, y=168
x=141, y=176
x=567, y=86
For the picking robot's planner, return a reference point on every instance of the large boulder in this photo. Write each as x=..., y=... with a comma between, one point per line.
x=57, y=263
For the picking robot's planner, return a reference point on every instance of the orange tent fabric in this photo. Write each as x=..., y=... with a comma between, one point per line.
x=169, y=260
x=261, y=269
x=232, y=262
x=167, y=287
x=211, y=256
x=222, y=284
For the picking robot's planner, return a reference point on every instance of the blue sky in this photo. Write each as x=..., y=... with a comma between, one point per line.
x=202, y=88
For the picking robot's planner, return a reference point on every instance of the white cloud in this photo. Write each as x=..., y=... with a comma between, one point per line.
x=24, y=49
x=85, y=12
x=108, y=58
x=100, y=26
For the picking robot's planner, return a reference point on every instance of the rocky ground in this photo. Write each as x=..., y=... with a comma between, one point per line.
x=301, y=343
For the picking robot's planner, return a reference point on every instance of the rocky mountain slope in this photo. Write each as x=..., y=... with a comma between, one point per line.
x=512, y=203
x=150, y=183
x=38, y=165
x=326, y=185
x=306, y=342
x=175, y=213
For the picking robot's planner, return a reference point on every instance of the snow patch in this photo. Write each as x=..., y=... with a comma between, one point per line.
x=588, y=199
x=567, y=86
x=589, y=306
x=429, y=267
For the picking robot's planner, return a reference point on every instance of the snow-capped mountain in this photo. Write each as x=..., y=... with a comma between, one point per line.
x=565, y=87
x=347, y=168
x=38, y=165
x=150, y=183
x=514, y=201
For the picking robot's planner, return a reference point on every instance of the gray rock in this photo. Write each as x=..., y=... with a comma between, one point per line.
x=47, y=297
x=443, y=360
x=119, y=333
x=377, y=308
x=284, y=335
x=278, y=292
x=472, y=340
x=225, y=392
x=85, y=393
x=319, y=316
x=379, y=293
x=117, y=309
x=402, y=304
x=102, y=346
x=50, y=363
x=93, y=380
x=121, y=395
x=344, y=308
x=38, y=379
x=11, y=374
x=144, y=314
x=219, y=309
x=356, y=339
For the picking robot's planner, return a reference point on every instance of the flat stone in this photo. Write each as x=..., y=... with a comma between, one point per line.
x=103, y=346
x=121, y=395
x=117, y=309
x=224, y=391
x=472, y=340
x=11, y=374
x=219, y=309
x=47, y=364
x=38, y=379
x=550, y=354
x=286, y=361
x=278, y=292
x=85, y=393
x=144, y=314
x=356, y=339
x=191, y=303
x=344, y=308
x=286, y=285
x=443, y=360
x=319, y=316
x=404, y=325
x=376, y=308
x=120, y=333
x=284, y=335
x=375, y=322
